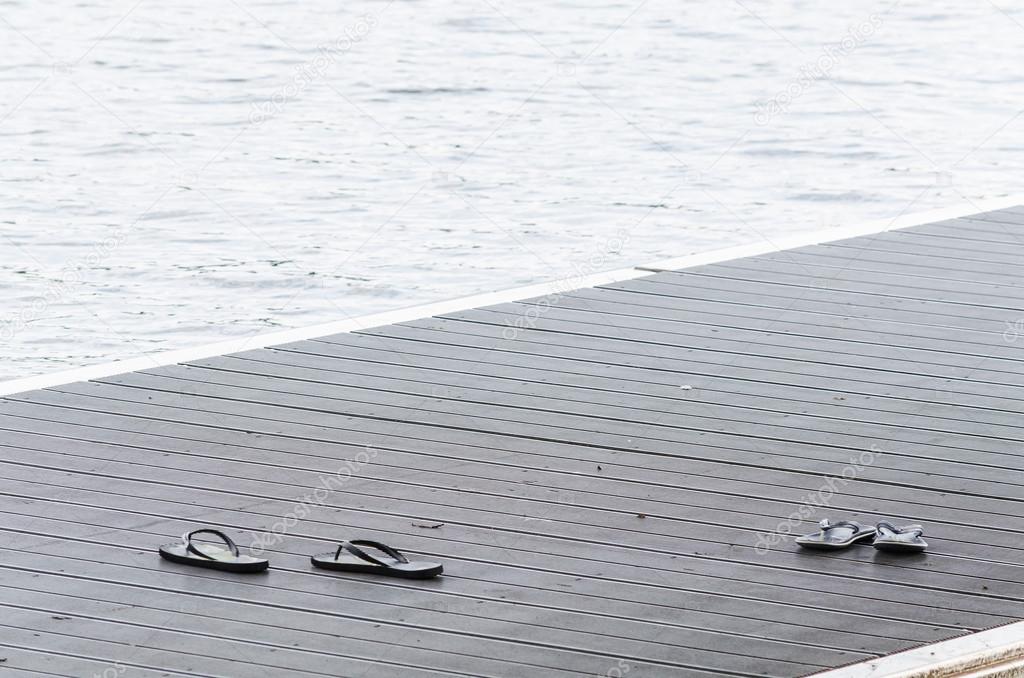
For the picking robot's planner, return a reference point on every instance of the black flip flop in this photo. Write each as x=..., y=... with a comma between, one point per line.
x=834, y=536
x=392, y=564
x=906, y=539
x=209, y=555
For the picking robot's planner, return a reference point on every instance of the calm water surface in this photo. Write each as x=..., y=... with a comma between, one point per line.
x=175, y=173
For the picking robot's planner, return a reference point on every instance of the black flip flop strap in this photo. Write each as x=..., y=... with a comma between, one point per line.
x=353, y=548
x=217, y=533
x=886, y=525
x=826, y=525
x=916, y=530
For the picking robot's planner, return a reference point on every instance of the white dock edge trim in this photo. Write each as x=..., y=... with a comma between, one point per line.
x=996, y=653
x=560, y=286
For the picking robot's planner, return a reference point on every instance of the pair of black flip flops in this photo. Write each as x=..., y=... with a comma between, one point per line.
x=349, y=557
x=885, y=536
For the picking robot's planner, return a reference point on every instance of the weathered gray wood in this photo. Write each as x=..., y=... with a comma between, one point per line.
x=754, y=480
x=1001, y=260
x=580, y=488
x=154, y=646
x=759, y=386
x=897, y=262
x=781, y=294
x=349, y=364
x=729, y=405
x=691, y=336
x=979, y=245
x=212, y=610
x=597, y=482
x=555, y=482
x=120, y=595
x=504, y=550
x=1009, y=220
x=670, y=601
x=295, y=545
x=340, y=633
x=800, y=323
x=662, y=423
x=887, y=285
x=437, y=425
x=816, y=263
x=662, y=355
x=736, y=560
x=34, y=653
x=660, y=531
x=966, y=232
x=914, y=263
x=600, y=358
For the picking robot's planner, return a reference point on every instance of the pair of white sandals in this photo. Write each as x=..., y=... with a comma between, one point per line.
x=885, y=536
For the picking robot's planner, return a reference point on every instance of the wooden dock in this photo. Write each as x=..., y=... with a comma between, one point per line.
x=610, y=476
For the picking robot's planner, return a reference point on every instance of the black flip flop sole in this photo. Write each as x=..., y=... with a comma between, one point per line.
x=835, y=546
x=326, y=561
x=900, y=547
x=167, y=553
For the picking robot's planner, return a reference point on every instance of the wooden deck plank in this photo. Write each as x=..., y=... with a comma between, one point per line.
x=120, y=594
x=709, y=557
x=754, y=388
x=657, y=424
x=958, y=478
x=965, y=232
x=555, y=521
x=342, y=605
x=580, y=489
x=160, y=647
x=716, y=475
x=969, y=259
x=781, y=295
x=502, y=550
x=598, y=359
x=664, y=605
x=595, y=476
x=673, y=332
x=497, y=476
x=977, y=243
x=338, y=635
x=837, y=351
x=659, y=355
x=804, y=272
x=326, y=631
x=37, y=657
x=609, y=305
x=356, y=365
x=987, y=295
x=609, y=448
x=293, y=375
x=299, y=588
x=931, y=266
